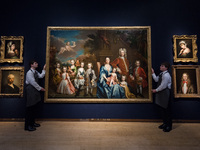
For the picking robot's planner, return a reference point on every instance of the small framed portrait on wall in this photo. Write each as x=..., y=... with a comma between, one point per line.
x=11, y=49
x=11, y=81
x=185, y=48
x=186, y=81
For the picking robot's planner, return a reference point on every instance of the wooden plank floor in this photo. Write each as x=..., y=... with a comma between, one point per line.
x=60, y=135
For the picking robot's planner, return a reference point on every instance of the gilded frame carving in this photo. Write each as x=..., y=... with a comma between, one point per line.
x=7, y=54
x=192, y=73
x=50, y=97
x=190, y=51
x=18, y=73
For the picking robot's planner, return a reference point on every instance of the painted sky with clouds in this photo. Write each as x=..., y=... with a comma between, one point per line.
x=60, y=37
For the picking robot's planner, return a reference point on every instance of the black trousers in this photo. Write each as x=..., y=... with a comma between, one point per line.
x=166, y=115
x=30, y=115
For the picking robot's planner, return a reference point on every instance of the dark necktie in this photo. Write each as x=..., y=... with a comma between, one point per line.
x=36, y=76
x=160, y=79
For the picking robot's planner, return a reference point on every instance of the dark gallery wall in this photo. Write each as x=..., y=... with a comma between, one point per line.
x=166, y=18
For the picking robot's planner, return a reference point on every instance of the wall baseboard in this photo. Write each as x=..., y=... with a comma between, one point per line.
x=100, y=120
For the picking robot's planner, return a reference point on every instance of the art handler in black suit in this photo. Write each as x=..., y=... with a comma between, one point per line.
x=162, y=98
x=33, y=95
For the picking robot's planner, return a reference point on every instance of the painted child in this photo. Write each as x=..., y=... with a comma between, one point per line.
x=90, y=78
x=57, y=75
x=140, y=78
x=112, y=80
x=65, y=86
x=72, y=70
x=80, y=79
x=124, y=84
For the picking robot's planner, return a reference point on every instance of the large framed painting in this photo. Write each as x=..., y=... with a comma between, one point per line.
x=98, y=65
x=11, y=81
x=185, y=48
x=11, y=49
x=186, y=81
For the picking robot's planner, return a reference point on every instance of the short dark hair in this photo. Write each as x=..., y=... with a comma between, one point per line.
x=31, y=62
x=166, y=64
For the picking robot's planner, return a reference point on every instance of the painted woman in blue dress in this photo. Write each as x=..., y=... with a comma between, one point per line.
x=105, y=90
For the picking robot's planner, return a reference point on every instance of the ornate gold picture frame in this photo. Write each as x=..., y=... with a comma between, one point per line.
x=185, y=48
x=98, y=65
x=11, y=81
x=186, y=81
x=11, y=49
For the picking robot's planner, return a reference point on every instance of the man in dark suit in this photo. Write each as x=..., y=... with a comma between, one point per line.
x=162, y=98
x=33, y=95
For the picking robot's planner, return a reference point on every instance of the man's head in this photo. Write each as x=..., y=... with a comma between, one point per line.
x=33, y=64
x=164, y=66
x=122, y=52
x=137, y=63
x=10, y=78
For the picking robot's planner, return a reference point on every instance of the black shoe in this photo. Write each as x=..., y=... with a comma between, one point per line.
x=30, y=128
x=167, y=129
x=162, y=126
x=36, y=125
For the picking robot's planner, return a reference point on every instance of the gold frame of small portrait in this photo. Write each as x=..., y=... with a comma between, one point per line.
x=20, y=84
x=3, y=49
x=196, y=68
x=194, y=49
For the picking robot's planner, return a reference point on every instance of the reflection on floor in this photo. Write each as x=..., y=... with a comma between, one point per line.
x=61, y=135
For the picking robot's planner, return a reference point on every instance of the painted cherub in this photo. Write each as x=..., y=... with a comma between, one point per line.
x=67, y=47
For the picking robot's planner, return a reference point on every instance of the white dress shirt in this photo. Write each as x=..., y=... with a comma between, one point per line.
x=166, y=81
x=30, y=79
